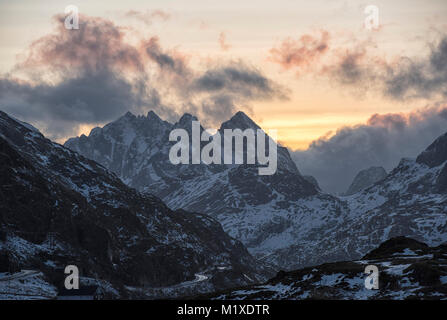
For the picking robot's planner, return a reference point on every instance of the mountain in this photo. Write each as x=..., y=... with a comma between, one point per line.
x=366, y=178
x=435, y=154
x=271, y=214
x=410, y=201
x=58, y=208
x=408, y=269
x=283, y=218
x=312, y=180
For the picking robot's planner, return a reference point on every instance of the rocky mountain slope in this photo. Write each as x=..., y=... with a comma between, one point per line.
x=366, y=178
x=411, y=201
x=282, y=219
x=408, y=269
x=59, y=208
x=271, y=215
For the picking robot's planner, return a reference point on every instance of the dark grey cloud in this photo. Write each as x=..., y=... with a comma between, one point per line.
x=382, y=141
x=350, y=71
x=93, y=75
x=419, y=78
x=90, y=98
x=231, y=87
x=168, y=62
x=407, y=78
x=89, y=86
x=241, y=80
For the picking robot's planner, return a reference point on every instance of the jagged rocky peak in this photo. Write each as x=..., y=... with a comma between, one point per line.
x=153, y=119
x=366, y=178
x=239, y=121
x=139, y=120
x=185, y=121
x=129, y=115
x=186, y=118
x=435, y=154
x=152, y=115
x=125, y=118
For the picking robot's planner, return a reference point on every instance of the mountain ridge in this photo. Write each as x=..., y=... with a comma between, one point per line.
x=111, y=231
x=284, y=218
x=407, y=269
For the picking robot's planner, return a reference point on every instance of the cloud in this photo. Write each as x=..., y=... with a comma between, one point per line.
x=232, y=86
x=239, y=79
x=78, y=77
x=223, y=42
x=148, y=16
x=357, y=66
x=79, y=100
x=166, y=61
x=222, y=106
x=303, y=53
x=93, y=75
x=349, y=70
x=424, y=78
x=97, y=46
x=403, y=79
x=334, y=160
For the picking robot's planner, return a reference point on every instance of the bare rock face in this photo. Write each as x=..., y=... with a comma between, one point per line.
x=58, y=208
x=366, y=178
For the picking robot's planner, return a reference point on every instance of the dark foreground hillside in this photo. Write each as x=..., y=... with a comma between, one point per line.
x=408, y=269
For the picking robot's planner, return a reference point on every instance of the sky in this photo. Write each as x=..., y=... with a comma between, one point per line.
x=311, y=70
